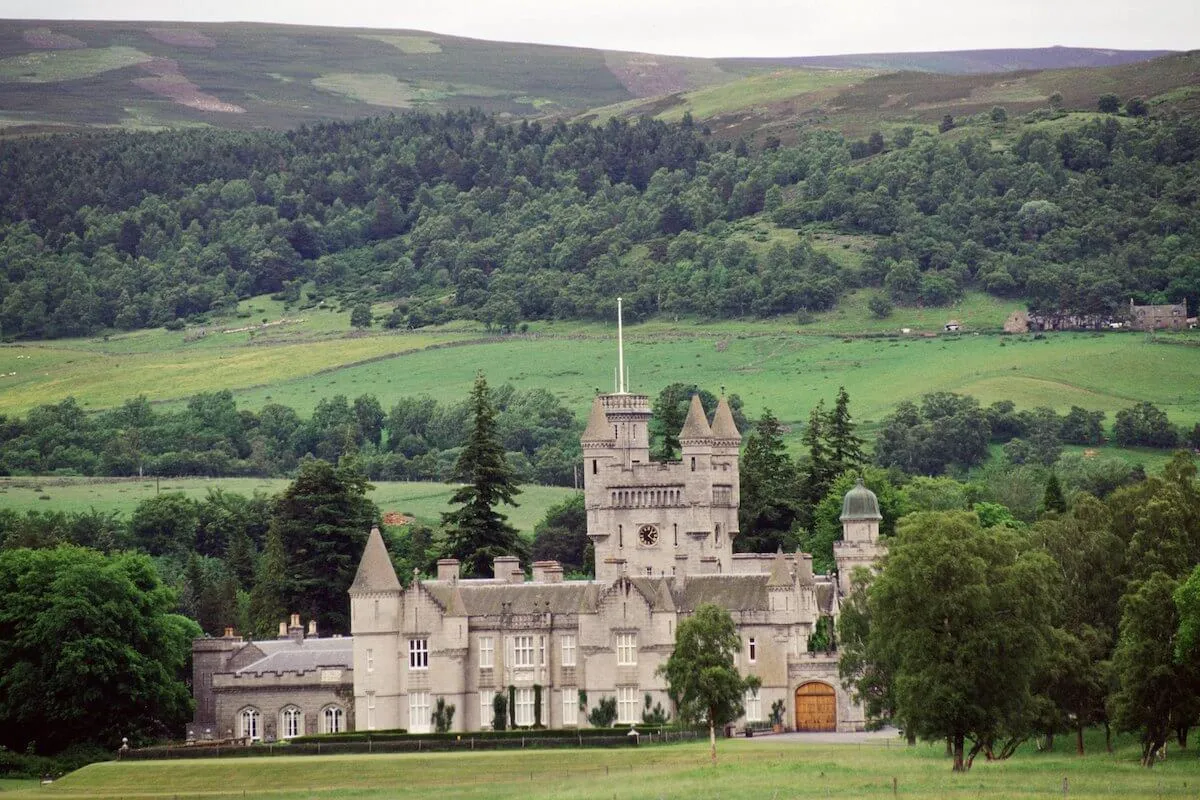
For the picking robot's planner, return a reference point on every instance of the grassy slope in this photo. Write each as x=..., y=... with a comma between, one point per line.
x=424, y=501
x=770, y=363
x=757, y=768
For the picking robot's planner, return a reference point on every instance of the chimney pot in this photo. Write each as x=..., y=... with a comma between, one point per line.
x=228, y=633
x=295, y=621
x=312, y=628
x=283, y=634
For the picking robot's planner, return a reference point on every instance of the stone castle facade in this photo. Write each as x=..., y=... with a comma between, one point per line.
x=663, y=535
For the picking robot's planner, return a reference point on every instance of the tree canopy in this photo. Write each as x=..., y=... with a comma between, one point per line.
x=90, y=650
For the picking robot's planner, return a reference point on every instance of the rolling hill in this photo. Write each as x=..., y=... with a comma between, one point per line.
x=241, y=75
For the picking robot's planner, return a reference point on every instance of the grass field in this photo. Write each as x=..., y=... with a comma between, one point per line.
x=771, y=363
x=424, y=501
x=757, y=768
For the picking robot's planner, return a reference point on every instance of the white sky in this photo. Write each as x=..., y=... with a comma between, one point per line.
x=703, y=27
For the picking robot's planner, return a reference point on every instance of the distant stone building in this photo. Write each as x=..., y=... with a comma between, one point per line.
x=1162, y=317
x=272, y=689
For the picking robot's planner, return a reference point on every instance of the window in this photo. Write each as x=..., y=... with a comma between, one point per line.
x=418, y=654
x=627, y=704
x=370, y=660
x=541, y=651
x=752, y=648
x=333, y=719
x=568, y=650
x=524, y=708
x=487, y=655
x=627, y=649
x=418, y=712
x=291, y=723
x=722, y=495
x=570, y=700
x=486, y=711
x=693, y=463
x=370, y=711
x=717, y=535
x=593, y=466
x=522, y=651
x=248, y=724
x=753, y=706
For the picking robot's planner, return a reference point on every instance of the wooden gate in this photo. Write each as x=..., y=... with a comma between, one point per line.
x=816, y=707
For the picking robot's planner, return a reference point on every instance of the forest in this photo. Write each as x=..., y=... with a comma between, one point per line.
x=459, y=216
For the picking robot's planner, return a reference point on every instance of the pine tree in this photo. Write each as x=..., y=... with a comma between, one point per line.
x=268, y=599
x=819, y=472
x=1053, y=499
x=845, y=448
x=769, y=486
x=476, y=532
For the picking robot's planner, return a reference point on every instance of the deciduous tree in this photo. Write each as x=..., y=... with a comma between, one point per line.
x=701, y=677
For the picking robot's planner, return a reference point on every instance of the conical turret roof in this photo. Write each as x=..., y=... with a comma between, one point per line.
x=723, y=426
x=780, y=574
x=598, y=429
x=375, y=571
x=860, y=503
x=696, y=424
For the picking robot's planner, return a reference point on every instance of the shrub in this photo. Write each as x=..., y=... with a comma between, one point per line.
x=604, y=714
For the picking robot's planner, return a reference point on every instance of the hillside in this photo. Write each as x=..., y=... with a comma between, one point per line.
x=138, y=75
x=856, y=95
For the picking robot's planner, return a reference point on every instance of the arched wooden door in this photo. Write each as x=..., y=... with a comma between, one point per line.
x=816, y=707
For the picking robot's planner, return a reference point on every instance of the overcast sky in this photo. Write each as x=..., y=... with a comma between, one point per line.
x=704, y=27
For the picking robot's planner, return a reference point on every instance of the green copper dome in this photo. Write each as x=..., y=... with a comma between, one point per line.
x=860, y=503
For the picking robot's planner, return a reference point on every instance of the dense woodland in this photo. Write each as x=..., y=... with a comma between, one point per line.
x=458, y=216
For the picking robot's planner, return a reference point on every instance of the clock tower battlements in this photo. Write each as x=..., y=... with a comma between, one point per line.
x=660, y=518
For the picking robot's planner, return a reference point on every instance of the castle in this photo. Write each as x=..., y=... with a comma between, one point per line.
x=663, y=535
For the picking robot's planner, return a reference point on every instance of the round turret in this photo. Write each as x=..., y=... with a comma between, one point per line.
x=860, y=503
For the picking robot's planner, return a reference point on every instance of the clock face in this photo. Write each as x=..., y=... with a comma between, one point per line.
x=648, y=534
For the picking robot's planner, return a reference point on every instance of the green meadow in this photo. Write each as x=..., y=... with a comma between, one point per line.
x=422, y=501
x=298, y=358
x=757, y=768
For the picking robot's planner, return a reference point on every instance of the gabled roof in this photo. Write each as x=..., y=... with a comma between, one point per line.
x=375, y=571
x=696, y=424
x=731, y=592
x=598, y=429
x=723, y=426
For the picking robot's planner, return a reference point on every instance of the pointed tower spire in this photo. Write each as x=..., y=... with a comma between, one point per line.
x=723, y=426
x=696, y=424
x=375, y=571
x=780, y=574
x=598, y=429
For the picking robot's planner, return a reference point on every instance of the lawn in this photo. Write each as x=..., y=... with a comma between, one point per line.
x=758, y=768
x=424, y=501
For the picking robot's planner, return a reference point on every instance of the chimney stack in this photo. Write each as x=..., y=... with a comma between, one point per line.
x=295, y=631
x=547, y=572
x=228, y=632
x=507, y=569
x=312, y=628
x=283, y=634
x=447, y=569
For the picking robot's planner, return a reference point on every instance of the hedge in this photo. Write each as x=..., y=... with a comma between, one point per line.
x=479, y=740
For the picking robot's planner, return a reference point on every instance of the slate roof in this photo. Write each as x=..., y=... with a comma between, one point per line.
x=696, y=424
x=375, y=571
x=598, y=429
x=723, y=426
x=286, y=655
x=492, y=598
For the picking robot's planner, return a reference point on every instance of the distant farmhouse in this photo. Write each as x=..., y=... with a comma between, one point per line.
x=663, y=535
x=1139, y=318
x=1154, y=318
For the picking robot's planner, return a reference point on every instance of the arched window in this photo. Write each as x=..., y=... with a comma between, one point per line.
x=291, y=723
x=333, y=718
x=248, y=727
